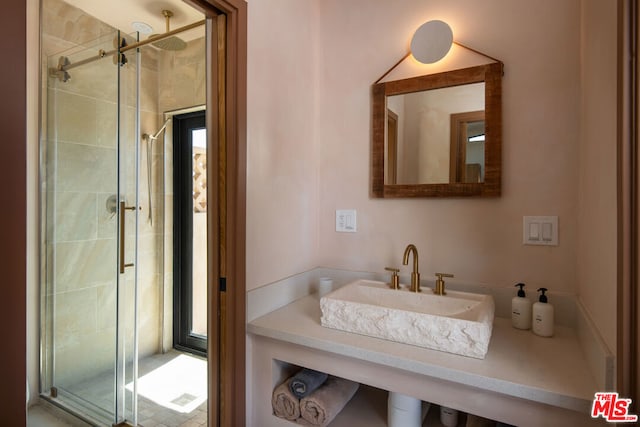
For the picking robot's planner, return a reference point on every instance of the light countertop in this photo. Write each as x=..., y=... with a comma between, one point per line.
x=553, y=370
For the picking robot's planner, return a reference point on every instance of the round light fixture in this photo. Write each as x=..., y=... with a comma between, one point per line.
x=142, y=27
x=431, y=42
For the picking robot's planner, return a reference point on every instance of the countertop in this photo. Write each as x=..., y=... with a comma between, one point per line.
x=553, y=370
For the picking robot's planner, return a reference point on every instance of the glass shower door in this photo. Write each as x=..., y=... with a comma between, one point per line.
x=88, y=305
x=129, y=209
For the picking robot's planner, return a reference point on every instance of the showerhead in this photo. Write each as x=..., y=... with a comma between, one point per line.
x=169, y=43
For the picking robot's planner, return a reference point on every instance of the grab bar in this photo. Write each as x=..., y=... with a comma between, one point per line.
x=122, y=263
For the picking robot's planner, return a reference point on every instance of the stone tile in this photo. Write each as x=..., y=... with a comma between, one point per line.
x=107, y=124
x=149, y=85
x=73, y=117
x=107, y=221
x=98, y=79
x=99, y=390
x=70, y=23
x=76, y=217
x=128, y=78
x=85, y=263
x=41, y=415
x=106, y=298
x=182, y=77
x=75, y=313
x=146, y=412
x=86, y=168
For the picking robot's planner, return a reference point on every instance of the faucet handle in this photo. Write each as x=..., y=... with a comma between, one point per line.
x=395, y=279
x=439, y=289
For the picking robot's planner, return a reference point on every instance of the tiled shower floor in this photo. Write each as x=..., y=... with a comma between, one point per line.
x=150, y=414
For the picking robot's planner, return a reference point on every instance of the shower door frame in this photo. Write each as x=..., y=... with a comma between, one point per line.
x=226, y=122
x=125, y=357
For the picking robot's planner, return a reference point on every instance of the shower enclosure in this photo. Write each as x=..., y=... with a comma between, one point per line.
x=91, y=221
x=102, y=247
x=106, y=241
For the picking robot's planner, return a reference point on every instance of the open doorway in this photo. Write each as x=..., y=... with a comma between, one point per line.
x=190, y=233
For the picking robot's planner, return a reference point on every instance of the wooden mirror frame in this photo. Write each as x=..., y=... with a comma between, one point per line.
x=491, y=75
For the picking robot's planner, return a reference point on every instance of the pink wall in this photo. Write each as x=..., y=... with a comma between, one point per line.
x=311, y=66
x=597, y=256
x=282, y=170
x=477, y=240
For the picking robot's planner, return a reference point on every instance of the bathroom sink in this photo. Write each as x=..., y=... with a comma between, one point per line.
x=458, y=322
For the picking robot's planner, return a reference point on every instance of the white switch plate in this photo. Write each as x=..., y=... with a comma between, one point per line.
x=540, y=230
x=346, y=220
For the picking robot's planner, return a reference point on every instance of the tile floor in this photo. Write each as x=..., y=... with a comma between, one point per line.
x=100, y=390
x=46, y=415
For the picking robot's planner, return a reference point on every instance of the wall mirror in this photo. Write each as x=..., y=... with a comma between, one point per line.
x=438, y=135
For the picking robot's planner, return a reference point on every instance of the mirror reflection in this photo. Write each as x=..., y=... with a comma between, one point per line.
x=436, y=136
x=466, y=160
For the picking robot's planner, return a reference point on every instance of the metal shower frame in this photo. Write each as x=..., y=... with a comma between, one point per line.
x=61, y=71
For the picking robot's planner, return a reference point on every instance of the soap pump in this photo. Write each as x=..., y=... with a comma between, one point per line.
x=543, y=316
x=521, y=309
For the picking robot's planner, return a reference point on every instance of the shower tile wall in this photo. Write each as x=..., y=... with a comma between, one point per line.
x=150, y=235
x=183, y=76
x=81, y=175
x=84, y=235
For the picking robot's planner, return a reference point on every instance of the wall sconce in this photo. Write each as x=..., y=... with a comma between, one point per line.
x=430, y=43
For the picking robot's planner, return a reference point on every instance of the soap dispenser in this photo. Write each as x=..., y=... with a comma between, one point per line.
x=521, y=309
x=543, y=316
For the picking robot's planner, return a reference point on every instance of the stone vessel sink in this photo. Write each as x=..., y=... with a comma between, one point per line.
x=458, y=322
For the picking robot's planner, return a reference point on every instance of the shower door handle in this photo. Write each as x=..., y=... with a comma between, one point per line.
x=122, y=263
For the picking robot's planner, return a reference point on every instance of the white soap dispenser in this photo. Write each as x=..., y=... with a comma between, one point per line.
x=543, y=316
x=521, y=309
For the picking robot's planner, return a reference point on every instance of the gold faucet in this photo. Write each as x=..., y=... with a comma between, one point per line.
x=415, y=276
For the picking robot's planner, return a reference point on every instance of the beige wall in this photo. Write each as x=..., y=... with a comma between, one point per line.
x=597, y=244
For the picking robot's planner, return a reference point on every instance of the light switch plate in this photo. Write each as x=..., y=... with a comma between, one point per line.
x=540, y=230
x=346, y=220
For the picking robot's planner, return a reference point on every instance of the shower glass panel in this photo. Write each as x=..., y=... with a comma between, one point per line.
x=88, y=169
x=129, y=215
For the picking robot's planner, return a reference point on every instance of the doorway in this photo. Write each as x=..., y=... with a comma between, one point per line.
x=115, y=162
x=190, y=232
